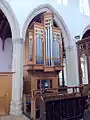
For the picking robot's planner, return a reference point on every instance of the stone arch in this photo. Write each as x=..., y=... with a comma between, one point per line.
x=87, y=29
x=58, y=19
x=17, y=65
x=6, y=9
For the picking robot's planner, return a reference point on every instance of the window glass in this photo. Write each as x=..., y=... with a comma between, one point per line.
x=84, y=7
x=42, y=84
x=64, y=2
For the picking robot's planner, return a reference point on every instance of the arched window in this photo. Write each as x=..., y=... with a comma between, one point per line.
x=64, y=2
x=84, y=7
x=84, y=69
x=86, y=34
x=83, y=60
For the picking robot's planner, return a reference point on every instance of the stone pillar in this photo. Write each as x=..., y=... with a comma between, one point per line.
x=17, y=80
x=72, y=66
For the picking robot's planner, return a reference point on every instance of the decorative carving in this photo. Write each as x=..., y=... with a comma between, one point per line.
x=84, y=50
x=56, y=36
x=39, y=32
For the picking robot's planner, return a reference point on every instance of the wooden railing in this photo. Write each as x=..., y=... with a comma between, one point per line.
x=58, y=91
x=70, y=100
x=63, y=109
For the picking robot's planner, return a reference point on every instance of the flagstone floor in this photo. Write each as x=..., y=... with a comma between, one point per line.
x=13, y=118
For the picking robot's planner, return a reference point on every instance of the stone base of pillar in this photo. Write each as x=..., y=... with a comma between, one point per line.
x=16, y=108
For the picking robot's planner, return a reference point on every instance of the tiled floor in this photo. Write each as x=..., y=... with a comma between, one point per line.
x=13, y=118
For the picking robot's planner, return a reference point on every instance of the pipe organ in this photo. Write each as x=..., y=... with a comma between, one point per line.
x=39, y=45
x=45, y=42
x=43, y=55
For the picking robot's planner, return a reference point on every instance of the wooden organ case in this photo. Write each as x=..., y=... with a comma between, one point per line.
x=43, y=57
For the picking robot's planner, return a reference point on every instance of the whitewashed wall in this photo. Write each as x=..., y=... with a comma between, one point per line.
x=75, y=21
x=6, y=56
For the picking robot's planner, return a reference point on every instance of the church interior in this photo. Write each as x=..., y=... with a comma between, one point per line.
x=44, y=60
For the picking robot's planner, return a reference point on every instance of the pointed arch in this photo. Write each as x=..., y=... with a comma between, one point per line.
x=87, y=29
x=6, y=9
x=60, y=22
x=68, y=41
x=17, y=78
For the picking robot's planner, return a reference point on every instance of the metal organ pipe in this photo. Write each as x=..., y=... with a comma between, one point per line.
x=51, y=42
x=48, y=47
x=39, y=49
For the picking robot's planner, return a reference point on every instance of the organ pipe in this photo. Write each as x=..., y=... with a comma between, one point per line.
x=51, y=39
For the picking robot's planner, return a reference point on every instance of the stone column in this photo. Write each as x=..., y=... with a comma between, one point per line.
x=72, y=66
x=17, y=80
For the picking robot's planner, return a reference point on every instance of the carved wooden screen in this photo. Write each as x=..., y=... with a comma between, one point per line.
x=84, y=60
